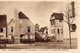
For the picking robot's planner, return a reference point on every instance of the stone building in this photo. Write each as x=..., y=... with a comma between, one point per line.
x=56, y=26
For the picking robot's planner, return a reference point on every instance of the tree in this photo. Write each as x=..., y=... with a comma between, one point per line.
x=70, y=15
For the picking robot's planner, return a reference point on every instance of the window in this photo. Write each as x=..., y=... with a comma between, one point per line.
x=46, y=32
x=61, y=31
x=11, y=29
x=60, y=20
x=58, y=31
x=53, y=22
x=28, y=30
x=1, y=29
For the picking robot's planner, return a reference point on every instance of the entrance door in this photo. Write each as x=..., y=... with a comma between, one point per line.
x=21, y=38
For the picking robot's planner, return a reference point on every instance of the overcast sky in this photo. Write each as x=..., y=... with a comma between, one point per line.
x=37, y=12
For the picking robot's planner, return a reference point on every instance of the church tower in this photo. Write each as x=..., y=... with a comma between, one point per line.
x=36, y=27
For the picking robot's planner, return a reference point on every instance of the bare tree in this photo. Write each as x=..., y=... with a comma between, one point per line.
x=69, y=14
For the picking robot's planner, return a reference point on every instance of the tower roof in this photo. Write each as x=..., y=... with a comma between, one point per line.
x=57, y=16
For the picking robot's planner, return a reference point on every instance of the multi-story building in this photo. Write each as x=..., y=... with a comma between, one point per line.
x=21, y=28
x=56, y=26
x=3, y=27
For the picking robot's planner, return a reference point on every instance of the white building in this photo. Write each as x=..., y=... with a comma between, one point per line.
x=21, y=28
x=56, y=26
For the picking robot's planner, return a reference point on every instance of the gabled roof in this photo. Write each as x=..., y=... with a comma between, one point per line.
x=58, y=16
x=42, y=29
x=3, y=21
x=22, y=16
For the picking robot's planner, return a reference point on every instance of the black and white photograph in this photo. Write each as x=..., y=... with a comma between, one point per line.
x=39, y=25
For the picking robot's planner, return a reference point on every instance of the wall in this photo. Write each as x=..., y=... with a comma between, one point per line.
x=3, y=34
x=24, y=24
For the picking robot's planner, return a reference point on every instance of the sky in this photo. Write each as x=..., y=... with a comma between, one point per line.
x=38, y=12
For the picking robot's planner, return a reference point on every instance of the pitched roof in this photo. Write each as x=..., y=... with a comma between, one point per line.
x=42, y=29
x=3, y=21
x=58, y=16
x=22, y=16
x=10, y=21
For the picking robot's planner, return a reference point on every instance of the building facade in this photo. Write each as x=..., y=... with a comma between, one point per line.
x=3, y=28
x=26, y=28
x=36, y=27
x=56, y=26
x=21, y=28
x=43, y=32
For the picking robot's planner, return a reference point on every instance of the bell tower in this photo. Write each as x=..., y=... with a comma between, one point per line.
x=36, y=27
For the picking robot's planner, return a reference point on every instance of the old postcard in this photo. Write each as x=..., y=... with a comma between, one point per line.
x=39, y=25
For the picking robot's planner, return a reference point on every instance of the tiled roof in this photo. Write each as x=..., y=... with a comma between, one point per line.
x=22, y=16
x=3, y=21
x=58, y=16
